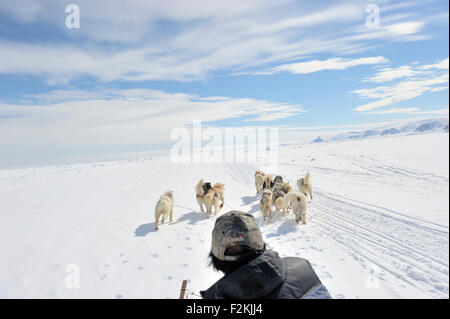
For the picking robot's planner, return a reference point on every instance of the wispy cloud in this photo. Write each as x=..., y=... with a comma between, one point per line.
x=405, y=28
x=189, y=40
x=420, y=79
x=124, y=117
x=411, y=111
x=389, y=74
x=442, y=65
x=329, y=64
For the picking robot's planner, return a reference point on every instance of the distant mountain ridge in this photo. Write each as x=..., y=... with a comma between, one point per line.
x=414, y=127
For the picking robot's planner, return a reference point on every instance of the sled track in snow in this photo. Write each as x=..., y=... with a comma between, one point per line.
x=374, y=167
x=415, y=254
x=387, y=170
x=242, y=174
x=413, y=250
x=420, y=175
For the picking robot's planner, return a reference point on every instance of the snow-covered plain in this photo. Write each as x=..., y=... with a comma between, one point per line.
x=377, y=227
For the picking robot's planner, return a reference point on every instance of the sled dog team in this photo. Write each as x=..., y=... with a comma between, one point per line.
x=281, y=195
x=274, y=193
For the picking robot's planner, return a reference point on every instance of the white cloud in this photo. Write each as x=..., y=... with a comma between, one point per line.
x=330, y=64
x=402, y=91
x=439, y=88
x=410, y=111
x=127, y=117
x=405, y=28
x=420, y=79
x=188, y=40
x=443, y=65
x=389, y=74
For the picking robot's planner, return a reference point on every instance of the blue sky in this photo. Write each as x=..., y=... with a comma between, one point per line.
x=135, y=70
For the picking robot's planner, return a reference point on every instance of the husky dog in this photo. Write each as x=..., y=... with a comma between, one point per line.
x=164, y=207
x=214, y=197
x=201, y=189
x=210, y=199
x=286, y=188
x=267, y=181
x=277, y=179
x=220, y=188
x=278, y=198
x=266, y=204
x=259, y=181
x=305, y=186
x=208, y=196
x=299, y=205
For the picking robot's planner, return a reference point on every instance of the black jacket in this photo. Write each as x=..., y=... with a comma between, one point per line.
x=269, y=276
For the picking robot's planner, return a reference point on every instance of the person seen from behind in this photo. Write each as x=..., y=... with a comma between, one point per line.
x=253, y=272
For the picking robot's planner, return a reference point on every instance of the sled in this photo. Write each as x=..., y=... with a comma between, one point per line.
x=183, y=289
x=185, y=293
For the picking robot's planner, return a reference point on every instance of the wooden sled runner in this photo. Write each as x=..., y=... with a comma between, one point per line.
x=183, y=289
x=186, y=293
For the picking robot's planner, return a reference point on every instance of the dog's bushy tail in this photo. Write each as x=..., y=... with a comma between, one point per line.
x=307, y=178
x=199, y=187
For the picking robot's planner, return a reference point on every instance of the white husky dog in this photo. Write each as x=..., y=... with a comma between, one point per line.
x=299, y=205
x=164, y=207
x=259, y=181
x=304, y=185
x=266, y=204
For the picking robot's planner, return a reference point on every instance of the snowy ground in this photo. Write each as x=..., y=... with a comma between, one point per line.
x=378, y=226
